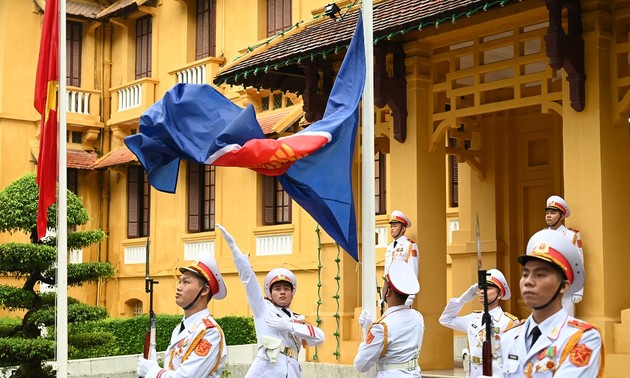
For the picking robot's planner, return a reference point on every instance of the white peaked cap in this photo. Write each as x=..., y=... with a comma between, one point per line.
x=206, y=267
x=557, y=202
x=398, y=216
x=498, y=279
x=402, y=279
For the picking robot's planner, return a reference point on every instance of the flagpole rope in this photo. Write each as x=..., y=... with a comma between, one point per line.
x=452, y=18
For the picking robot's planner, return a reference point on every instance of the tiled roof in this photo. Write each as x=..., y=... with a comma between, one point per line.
x=390, y=17
x=80, y=159
x=83, y=9
x=121, y=155
x=118, y=6
x=278, y=121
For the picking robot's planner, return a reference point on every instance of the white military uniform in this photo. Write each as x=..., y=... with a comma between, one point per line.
x=285, y=355
x=575, y=238
x=475, y=331
x=567, y=347
x=198, y=351
x=394, y=341
x=404, y=249
x=558, y=203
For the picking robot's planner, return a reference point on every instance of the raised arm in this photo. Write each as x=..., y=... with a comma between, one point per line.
x=246, y=273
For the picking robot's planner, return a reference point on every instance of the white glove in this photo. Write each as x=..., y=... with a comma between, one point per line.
x=279, y=324
x=365, y=319
x=576, y=298
x=144, y=366
x=469, y=294
x=229, y=239
x=409, y=301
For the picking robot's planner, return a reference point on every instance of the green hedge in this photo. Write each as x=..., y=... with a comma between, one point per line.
x=128, y=334
x=8, y=326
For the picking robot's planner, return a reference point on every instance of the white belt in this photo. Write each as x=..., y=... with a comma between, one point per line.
x=409, y=365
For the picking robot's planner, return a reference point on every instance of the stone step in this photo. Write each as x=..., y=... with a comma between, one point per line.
x=617, y=365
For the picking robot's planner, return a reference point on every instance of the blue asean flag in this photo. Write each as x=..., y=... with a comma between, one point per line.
x=314, y=166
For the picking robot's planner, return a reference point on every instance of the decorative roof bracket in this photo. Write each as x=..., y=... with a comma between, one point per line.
x=567, y=50
x=319, y=82
x=391, y=90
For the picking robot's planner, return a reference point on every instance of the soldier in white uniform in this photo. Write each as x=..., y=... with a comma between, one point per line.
x=394, y=341
x=556, y=212
x=279, y=331
x=550, y=343
x=197, y=347
x=401, y=248
x=498, y=289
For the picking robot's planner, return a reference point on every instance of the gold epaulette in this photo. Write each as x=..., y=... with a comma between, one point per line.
x=584, y=326
x=517, y=323
x=573, y=229
x=477, y=311
x=208, y=323
x=512, y=317
x=411, y=241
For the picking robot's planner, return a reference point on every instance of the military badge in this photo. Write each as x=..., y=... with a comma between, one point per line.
x=581, y=355
x=203, y=348
x=369, y=338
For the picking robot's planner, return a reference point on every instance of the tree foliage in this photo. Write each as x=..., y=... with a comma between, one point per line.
x=35, y=263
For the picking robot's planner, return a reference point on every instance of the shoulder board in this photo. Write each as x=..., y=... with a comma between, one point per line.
x=580, y=324
x=411, y=241
x=573, y=229
x=512, y=317
x=477, y=311
x=208, y=323
x=516, y=324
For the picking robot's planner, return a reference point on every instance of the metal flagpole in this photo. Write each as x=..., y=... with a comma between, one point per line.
x=62, y=217
x=367, y=173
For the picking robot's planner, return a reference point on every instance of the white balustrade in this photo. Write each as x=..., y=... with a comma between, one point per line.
x=129, y=97
x=274, y=245
x=78, y=102
x=135, y=255
x=192, y=75
x=193, y=249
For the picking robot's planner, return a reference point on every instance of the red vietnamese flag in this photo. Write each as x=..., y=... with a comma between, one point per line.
x=46, y=105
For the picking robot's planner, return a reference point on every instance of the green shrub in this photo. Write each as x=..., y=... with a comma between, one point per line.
x=129, y=334
x=8, y=326
x=14, y=351
x=238, y=330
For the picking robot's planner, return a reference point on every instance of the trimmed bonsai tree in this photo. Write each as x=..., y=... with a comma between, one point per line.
x=33, y=263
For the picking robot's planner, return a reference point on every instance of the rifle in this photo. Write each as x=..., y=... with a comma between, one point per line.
x=150, y=337
x=381, y=303
x=486, y=355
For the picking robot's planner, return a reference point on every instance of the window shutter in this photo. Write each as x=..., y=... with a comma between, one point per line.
x=268, y=200
x=73, y=53
x=143, y=47
x=205, y=30
x=278, y=16
x=133, y=187
x=146, y=203
x=193, y=197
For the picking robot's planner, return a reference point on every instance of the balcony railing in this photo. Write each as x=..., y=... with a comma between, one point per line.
x=199, y=72
x=83, y=106
x=130, y=100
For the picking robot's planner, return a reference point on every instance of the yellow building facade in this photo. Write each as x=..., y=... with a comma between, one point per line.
x=478, y=87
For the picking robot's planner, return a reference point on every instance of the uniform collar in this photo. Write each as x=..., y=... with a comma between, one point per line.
x=551, y=326
x=195, y=318
x=401, y=239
